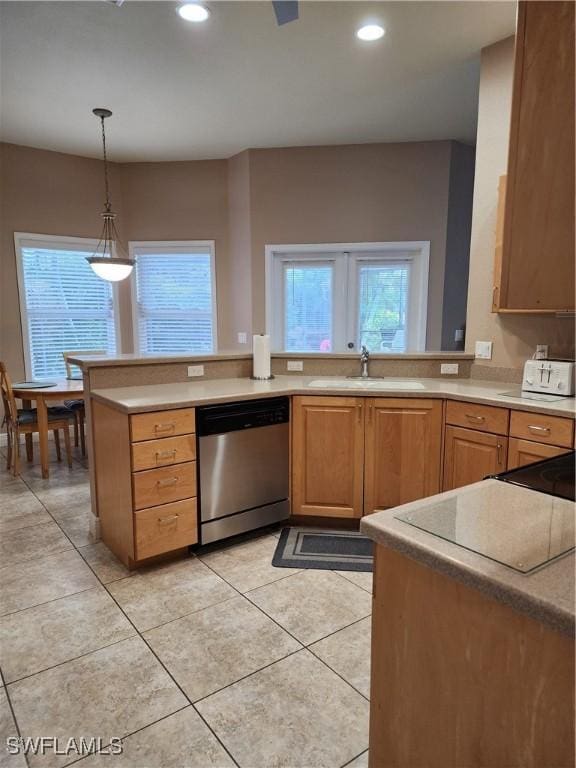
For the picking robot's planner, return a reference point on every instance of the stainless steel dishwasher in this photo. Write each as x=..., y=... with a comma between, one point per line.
x=243, y=466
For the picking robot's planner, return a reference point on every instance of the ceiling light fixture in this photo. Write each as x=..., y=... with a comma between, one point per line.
x=193, y=12
x=370, y=32
x=109, y=260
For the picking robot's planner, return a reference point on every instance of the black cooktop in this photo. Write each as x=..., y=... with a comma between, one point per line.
x=552, y=476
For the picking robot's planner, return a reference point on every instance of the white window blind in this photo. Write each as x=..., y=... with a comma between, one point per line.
x=308, y=307
x=175, y=307
x=64, y=305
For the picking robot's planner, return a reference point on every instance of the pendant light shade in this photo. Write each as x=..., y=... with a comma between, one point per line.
x=109, y=261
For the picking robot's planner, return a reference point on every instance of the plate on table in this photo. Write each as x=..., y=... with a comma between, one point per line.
x=34, y=384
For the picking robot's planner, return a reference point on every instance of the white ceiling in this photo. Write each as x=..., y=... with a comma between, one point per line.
x=187, y=91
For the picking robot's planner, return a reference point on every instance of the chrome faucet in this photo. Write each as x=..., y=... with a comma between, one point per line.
x=364, y=361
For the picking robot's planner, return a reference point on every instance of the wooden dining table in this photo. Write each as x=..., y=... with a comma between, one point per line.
x=66, y=389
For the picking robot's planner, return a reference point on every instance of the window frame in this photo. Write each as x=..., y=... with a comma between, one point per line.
x=136, y=247
x=347, y=257
x=35, y=240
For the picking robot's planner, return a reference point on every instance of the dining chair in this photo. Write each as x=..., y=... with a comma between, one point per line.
x=24, y=421
x=77, y=406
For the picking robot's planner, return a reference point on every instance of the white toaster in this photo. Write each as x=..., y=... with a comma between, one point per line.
x=552, y=376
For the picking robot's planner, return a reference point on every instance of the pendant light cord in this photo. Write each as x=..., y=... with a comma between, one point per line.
x=106, y=186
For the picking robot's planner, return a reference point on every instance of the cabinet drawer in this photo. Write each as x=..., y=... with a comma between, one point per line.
x=161, y=486
x=485, y=418
x=162, y=529
x=552, y=430
x=162, y=453
x=148, y=426
x=522, y=452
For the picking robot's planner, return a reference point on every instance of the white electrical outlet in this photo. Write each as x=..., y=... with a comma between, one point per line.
x=195, y=370
x=449, y=368
x=295, y=365
x=483, y=350
x=541, y=352
x=242, y=337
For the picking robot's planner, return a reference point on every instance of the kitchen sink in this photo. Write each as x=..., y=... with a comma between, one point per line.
x=359, y=383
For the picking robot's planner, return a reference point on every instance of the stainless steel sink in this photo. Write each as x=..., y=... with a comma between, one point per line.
x=366, y=383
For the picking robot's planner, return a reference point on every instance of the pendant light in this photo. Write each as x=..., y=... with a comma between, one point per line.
x=109, y=260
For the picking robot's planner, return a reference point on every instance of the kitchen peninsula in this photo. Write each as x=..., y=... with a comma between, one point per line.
x=473, y=655
x=394, y=441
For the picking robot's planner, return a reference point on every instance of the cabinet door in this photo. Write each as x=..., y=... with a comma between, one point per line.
x=327, y=456
x=470, y=455
x=522, y=452
x=538, y=246
x=403, y=451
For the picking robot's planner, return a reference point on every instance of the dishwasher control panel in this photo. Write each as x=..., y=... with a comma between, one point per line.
x=248, y=414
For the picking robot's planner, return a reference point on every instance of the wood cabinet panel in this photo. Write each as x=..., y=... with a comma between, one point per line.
x=403, y=451
x=469, y=456
x=522, y=452
x=164, y=485
x=552, y=430
x=459, y=679
x=165, y=528
x=148, y=426
x=150, y=454
x=327, y=456
x=537, y=259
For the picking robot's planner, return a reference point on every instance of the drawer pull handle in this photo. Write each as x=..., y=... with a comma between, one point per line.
x=474, y=417
x=166, y=483
x=167, y=520
x=166, y=454
x=169, y=427
x=536, y=428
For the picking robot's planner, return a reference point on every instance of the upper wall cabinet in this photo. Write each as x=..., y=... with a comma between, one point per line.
x=534, y=265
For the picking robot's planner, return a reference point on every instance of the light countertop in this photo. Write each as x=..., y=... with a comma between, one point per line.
x=156, y=397
x=509, y=523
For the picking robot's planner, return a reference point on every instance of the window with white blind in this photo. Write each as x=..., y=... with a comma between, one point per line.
x=174, y=297
x=337, y=298
x=64, y=306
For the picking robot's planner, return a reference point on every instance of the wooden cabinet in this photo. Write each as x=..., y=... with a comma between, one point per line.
x=352, y=455
x=470, y=455
x=534, y=260
x=403, y=451
x=145, y=473
x=327, y=456
x=522, y=452
x=552, y=430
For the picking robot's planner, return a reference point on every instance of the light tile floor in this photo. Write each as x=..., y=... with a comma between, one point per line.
x=212, y=661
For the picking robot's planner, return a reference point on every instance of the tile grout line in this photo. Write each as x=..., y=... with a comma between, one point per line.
x=338, y=573
x=354, y=758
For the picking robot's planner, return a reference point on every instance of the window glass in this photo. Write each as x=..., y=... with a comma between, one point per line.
x=382, y=305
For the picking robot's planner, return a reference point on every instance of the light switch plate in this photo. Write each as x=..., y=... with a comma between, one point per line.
x=483, y=350
x=449, y=368
x=242, y=337
x=295, y=365
x=195, y=370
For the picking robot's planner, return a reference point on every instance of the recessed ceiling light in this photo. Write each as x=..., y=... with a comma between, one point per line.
x=370, y=32
x=193, y=12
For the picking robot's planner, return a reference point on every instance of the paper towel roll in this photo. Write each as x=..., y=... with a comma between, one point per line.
x=261, y=347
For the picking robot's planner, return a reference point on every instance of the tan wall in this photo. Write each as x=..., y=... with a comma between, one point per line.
x=240, y=239
x=367, y=192
x=182, y=201
x=514, y=337
x=51, y=194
